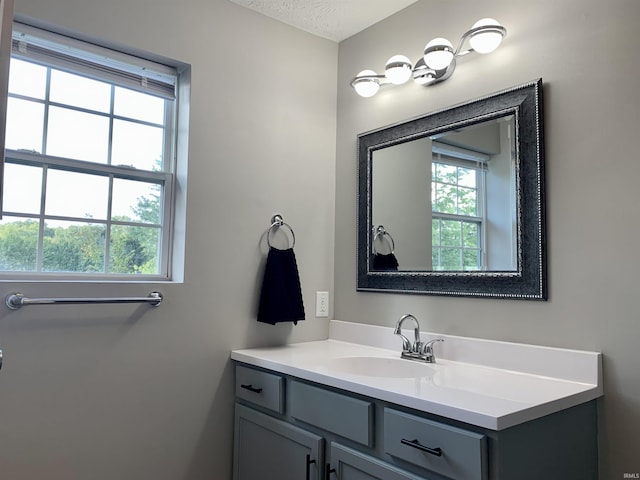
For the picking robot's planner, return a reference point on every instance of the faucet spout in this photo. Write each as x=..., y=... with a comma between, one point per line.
x=406, y=343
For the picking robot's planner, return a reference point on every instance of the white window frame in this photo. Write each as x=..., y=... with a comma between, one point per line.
x=459, y=157
x=168, y=79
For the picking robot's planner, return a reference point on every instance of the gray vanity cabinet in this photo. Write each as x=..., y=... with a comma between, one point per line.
x=289, y=428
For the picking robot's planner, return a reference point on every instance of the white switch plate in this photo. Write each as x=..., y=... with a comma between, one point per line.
x=322, y=304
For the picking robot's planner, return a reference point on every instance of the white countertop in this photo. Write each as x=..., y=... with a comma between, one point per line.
x=508, y=384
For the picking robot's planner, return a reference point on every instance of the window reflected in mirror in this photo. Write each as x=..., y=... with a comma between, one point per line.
x=449, y=200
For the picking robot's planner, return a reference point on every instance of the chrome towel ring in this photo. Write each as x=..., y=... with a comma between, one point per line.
x=382, y=234
x=277, y=222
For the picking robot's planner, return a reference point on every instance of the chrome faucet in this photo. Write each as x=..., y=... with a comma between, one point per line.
x=406, y=343
x=417, y=350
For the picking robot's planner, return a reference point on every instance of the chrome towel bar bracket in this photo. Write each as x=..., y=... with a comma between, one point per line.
x=277, y=222
x=17, y=300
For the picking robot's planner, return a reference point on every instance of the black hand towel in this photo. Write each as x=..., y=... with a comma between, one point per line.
x=281, y=296
x=385, y=262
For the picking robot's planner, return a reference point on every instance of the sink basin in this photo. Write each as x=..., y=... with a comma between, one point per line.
x=379, y=367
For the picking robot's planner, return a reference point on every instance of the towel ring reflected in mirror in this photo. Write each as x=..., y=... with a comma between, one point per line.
x=276, y=223
x=382, y=234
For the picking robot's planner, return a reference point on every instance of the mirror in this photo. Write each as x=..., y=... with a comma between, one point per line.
x=452, y=203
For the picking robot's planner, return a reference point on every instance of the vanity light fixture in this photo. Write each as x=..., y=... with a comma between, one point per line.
x=438, y=62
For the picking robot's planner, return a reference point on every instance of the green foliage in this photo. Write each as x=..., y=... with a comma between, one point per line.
x=134, y=250
x=18, y=246
x=455, y=243
x=78, y=247
x=74, y=248
x=148, y=208
x=454, y=190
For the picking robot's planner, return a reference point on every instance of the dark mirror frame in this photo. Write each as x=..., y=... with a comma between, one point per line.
x=528, y=281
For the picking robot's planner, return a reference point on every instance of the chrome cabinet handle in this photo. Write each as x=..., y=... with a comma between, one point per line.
x=415, y=444
x=0, y=359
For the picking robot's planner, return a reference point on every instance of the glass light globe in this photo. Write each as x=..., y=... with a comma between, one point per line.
x=438, y=53
x=398, y=69
x=366, y=87
x=486, y=41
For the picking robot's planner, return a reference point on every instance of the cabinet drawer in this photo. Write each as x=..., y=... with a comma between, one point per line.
x=345, y=416
x=260, y=388
x=438, y=447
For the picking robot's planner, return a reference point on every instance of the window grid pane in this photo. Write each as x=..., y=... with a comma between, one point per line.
x=22, y=188
x=18, y=244
x=136, y=105
x=91, y=223
x=134, y=249
x=74, y=238
x=456, y=244
x=77, y=91
x=25, y=121
x=73, y=194
x=454, y=190
x=27, y=79
x=73, y=247
x=136, y=145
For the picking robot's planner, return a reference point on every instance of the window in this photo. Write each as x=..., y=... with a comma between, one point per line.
x=90, y=161
x=457, y=214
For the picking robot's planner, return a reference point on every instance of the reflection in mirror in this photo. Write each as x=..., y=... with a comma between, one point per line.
x=447, y=200
x=384, y=257
x=452, y=203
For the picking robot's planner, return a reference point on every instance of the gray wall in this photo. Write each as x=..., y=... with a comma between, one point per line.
x=126, y=392
x=586, y=53
x=402, y=202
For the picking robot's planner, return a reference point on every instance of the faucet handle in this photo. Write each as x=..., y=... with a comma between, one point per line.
x=427, y=349
x=406, y=343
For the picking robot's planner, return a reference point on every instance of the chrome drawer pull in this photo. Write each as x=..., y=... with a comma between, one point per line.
x=251, y=388
x=415, y=444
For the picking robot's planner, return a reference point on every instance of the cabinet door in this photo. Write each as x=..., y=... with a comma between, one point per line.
x=267, y=448
x=348, y=464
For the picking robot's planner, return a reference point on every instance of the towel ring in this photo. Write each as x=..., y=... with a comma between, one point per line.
x=277, y=222
x=383, y=234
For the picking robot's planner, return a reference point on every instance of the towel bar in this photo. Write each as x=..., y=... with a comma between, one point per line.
x=17, y=300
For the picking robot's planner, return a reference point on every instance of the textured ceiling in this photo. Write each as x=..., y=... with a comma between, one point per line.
x=332, y=19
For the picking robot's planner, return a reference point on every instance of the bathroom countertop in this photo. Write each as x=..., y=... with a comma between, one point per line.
x=498, y=391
